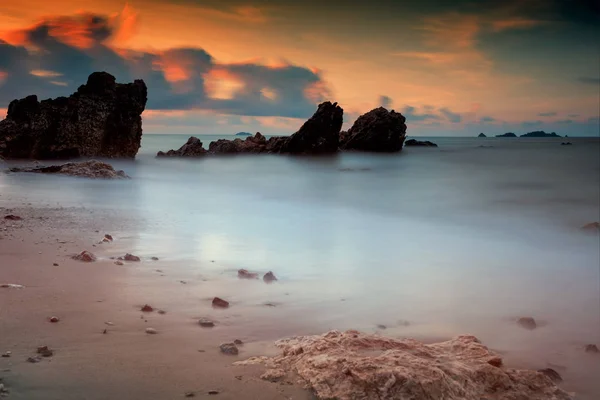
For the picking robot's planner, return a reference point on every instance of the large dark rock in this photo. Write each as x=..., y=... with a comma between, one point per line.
x=103, y=118
x=481, y=135
x=507, y=134
x=424, y=143
x=192, y=148
x=379, y=130
x=252, y=144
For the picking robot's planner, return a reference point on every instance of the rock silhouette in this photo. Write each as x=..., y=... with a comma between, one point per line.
x=379, y=130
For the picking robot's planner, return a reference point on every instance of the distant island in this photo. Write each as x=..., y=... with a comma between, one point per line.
x=540, y=134
x=482, y=135
x=243, y=134
x=507, y=134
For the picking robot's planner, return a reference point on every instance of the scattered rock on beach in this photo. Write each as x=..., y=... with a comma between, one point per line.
x=54, y=319
x=229, y=348
x=107, y=238
x=154, y=258
x=151, y=331
x=102, y=119
x=527, y=323
x=55, y=264
x=213, y=392
x=11, y=217
x=591, y=348
x=379, y=130
x=189, y=394
x=425, y=143
x=552, y=374
x=147, y=308
x=269, y=277
x=45, y=351
x=34, y=359
x=218, y=302
x=352, y=365
x=11, y=286
x=84, y=169
x=85, y=256
x=130, y=257
x=6, y=354
x=592, y=227
x=206, y=323
x=244, y=274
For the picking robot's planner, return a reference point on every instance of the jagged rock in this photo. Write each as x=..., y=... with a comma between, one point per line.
x=426, y=143
x=507, y=134
x=103, y=118
x=245, y=274
x=192, y=148
x=320, y=134
x=552, y=374
x=252, y=144
x=352, y=365
x=85, y=169
x=379, y=130
x=269, y=277
x=147, y=308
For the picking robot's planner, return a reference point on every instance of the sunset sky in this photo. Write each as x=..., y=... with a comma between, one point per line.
x=223, y=66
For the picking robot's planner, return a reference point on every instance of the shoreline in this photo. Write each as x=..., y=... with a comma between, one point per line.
x=87, y=295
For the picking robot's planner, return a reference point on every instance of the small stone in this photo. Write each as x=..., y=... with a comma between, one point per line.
x=269, y=277
x=381, y=326
x=552, y=374
x=212, y=392
x=55, y=264
x=104, y=332
x=229, y=348
x=527, y=323
x=151, y=331
x=130, y=257
x=54, y=319
x=206, y=323
x=238, y=377
x=154, y=258
x=11, y=217
x=183, y=282
x=273, y=375
x=244, y=274
x=6, y=354
x=593, y=227
x=35, y=359
x=119, y=262
x=147, y=308
x=84, y=256
x=45, y=351
x=162, y=312
x=107, y=238
x=238, y=342
x=496, y=362
x=190, y=394
x=218, y=302
x=591, y=348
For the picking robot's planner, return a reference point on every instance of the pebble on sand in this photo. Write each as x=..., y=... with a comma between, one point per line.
x=151, y=331
x=218, y=302
x=527, y=323
x=229, y=348
x=238, y=342
x=154, y=258
x=55, y=264
x=54, y=319
x=212, y=392
x=131, y=257
x=45, y=351
x=107, y=238
x=11, y=217
x=84, y=256
x=206, y=323
x=147, y=308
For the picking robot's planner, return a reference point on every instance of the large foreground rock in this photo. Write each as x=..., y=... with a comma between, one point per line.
x=85, y=169
x=352, y=366
x=103, y=118
x=192, y=148
x=379, y=130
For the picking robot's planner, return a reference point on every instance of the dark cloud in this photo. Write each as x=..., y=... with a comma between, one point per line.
x=411, y=115
x=547, y=114
x=385, y=101
x=588, y=80
x=67, y=49
x=451, y=116
x=487, y=119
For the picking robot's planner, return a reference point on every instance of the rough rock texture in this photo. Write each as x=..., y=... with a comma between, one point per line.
x=252, y=144
x=85, y=169
x=192, y=148
x=379, y=130
x=102, y=118
x=356, y=366
x=426, y=143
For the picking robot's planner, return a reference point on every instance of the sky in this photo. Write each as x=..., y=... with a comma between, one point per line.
x=452, y=67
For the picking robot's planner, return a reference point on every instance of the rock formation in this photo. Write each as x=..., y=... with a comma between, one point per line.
x=379, y=130
x=352, y=365
x=252, y=144
x=540, y=134
x=103, y=118
x=426, y=143
x=481, y=135
x=192, y=148
x=507, y=134
x=85, y=169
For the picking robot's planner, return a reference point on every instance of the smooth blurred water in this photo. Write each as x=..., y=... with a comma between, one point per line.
x=459, y=238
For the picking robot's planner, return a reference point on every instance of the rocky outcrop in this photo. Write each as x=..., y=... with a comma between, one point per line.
x=252, y=144
x=507, y=134
x=86, y=169
x=191, y=148
x=538, y=134
x=379, y=130
x=352, y=365
x=481, y=135
x=101, y=119
x=426, y=143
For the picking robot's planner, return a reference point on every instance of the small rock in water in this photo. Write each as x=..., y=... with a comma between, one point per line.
x=55, y=264
x=380, y=326
x=527, y=323
x=6, y=354
x=269, y=277
x=552, y=374
x=190, y=394
x=35, y=359
x=54, y=319
x=162, y=312
x=131, y=257
x=206, y=323
x=218, y=302
x=45, y=351
x=11, y=217
x=229, y=348
x=107, y=238
x=593, y=227
x=119, y=262
x=238, y=342
x=591, y=348
x=154, y=258
x=212, y=392
x=84, y=256
x=244, y=274
x=147, y=308
x=151, y=331
x=11, y=286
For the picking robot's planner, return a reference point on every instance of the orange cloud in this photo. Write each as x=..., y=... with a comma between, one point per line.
x=221, y=83
x=42, y=73
x=514, y=23
x=126, y=25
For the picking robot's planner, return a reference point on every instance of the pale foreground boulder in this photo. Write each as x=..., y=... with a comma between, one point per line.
x=356, y=366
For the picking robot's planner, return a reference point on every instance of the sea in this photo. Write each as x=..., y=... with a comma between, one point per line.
x=427, y=243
